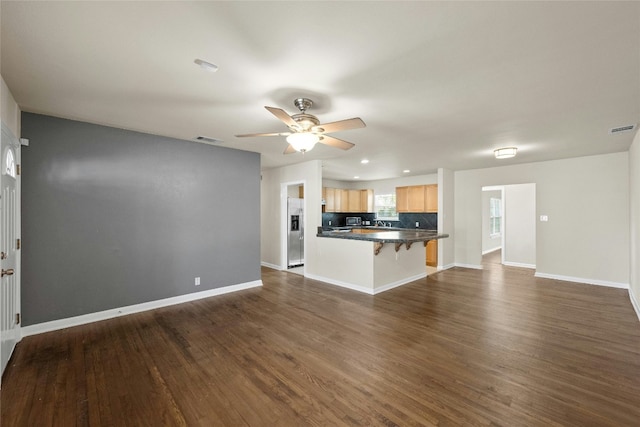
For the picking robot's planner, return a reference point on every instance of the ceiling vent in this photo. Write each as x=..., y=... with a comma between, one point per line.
x=621, y=129
x=208, y=140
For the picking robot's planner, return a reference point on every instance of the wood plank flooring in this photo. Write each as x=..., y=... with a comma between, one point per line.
x=462, y=347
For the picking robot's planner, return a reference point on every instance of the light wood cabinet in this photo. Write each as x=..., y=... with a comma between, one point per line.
x=417, y=198
x=402, y=199
x=432, y=253
x=329, y=195
x=431, y=201
x=354, y=201
x=347, y=201
x=366, y=201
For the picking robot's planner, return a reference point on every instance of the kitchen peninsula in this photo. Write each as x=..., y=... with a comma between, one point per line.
x=372, y=259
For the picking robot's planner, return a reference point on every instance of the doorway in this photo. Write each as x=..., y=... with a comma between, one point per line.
x=509, y=223
x=9, y=245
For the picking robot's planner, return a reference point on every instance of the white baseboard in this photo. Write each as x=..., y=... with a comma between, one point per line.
x=583, y=280
x=341, y=284
x=518, y=264
x=488, y=251
x=366, y=290
x=446, y=267
x=55, y=325
x=269, y=265
x=474, y=266
x=634, y=303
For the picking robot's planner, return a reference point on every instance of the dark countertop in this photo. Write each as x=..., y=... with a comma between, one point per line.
x=384, y=235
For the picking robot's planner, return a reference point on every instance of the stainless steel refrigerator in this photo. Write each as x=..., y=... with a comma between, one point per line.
x=295, y=233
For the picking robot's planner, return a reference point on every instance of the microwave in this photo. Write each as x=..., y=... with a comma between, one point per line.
x=354, y=220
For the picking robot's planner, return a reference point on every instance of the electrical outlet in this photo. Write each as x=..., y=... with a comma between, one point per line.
x=417, y=224
x=197, y=281
x=544, y=218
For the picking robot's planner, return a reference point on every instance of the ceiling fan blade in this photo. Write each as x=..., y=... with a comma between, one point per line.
x=283, y=116
x=289, y=149
x=335, y=142
x=264, y=134
x=347, y=124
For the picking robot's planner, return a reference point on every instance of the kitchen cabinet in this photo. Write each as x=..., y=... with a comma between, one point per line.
x=354, y=201
x=329, y=196
x=366, y=201
x=432, y=253
x=417, y=198
x=347, y=201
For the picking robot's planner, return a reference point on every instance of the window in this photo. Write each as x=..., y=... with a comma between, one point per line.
x=9, y=163
x=385, y=206
x=495, y=217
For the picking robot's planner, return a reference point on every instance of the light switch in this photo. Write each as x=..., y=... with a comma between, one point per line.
x=544, y=218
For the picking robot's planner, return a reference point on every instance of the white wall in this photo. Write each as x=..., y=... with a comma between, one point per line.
x=9, y=109
x=489, y=243
x=520, y=225
x=634, y=195
x=587, y=201
x=272, y=221
x=446, y=247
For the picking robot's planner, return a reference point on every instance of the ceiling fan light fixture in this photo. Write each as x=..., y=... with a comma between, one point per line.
x=303, y=141
x=505, y=153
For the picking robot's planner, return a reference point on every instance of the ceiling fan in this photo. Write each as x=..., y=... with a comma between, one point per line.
x=306, y=130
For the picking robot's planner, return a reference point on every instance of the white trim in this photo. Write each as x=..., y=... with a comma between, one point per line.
x=269, y=265
x=366, y=290
x=446, y=267
x=55, y=325
x=583, y=280
x=474, y=266
x=518, y=264
x=488, y=251
x=634, y=303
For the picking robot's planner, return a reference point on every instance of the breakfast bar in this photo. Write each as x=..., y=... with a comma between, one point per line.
x=373, y=259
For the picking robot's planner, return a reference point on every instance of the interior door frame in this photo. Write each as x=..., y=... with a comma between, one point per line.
x=9, y=139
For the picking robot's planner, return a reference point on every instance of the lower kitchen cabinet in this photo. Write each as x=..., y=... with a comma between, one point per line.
x=432, y=253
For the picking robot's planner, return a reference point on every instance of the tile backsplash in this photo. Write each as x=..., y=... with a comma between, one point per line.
x=427, y=221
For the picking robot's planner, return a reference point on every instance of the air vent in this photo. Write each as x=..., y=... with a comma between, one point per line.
x=208, y=140
x=621, y=129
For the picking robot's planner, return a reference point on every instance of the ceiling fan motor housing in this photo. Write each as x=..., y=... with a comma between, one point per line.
x=305, y=121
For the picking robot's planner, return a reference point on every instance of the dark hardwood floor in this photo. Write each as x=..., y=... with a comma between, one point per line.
x=462, y=347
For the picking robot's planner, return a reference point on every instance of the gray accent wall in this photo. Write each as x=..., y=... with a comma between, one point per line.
x=112, y=218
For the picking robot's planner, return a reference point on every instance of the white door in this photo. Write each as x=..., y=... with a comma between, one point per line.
x=9, y=256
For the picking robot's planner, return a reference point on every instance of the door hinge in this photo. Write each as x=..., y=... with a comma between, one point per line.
x=17, y=169
x=17, y=244
x=17, y=318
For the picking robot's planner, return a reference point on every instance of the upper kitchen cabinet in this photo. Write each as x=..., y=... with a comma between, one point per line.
x=417, y=198
x=366, y=201
x=347, y=201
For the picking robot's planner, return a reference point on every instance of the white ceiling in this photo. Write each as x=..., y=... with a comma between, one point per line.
x=439, y=84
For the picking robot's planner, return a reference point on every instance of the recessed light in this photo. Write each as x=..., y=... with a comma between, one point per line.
x=505, y=153
x=364, y=161
x=356, y=177
x=208, y=66
x=406, y=171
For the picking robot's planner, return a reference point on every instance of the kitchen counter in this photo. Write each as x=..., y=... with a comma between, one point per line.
x=372, y=259
x=383, y=234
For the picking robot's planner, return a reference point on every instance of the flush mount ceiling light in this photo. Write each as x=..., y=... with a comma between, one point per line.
x=406, y=171
x=303, y=141
x=505, y=153
x=207, y=66
x=364, y=161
